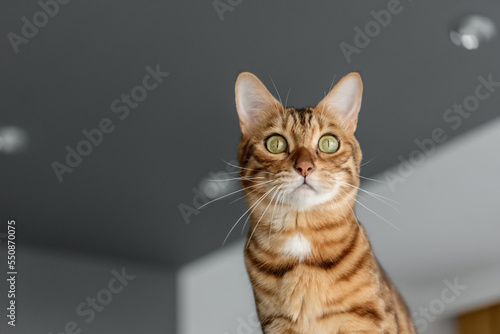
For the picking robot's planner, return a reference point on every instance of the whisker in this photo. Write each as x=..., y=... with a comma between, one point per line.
x=282, y=202
x=388, y=222
x=234, y=192
x=374, y=195
x=243, y=215
x=276, y=89
x=230, y=164
x=388, y=204
x=251, y=213
x=235, y=172
x=354, y=214
x=251, y=235
x=236, y=178
x=380, y=197
x=251, y=192
x=374, y=180
x=286, y=100
x=272, y=217
x=366, y=163
x=331, y=85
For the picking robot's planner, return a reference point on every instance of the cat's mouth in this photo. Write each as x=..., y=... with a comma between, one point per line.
x=305, y=187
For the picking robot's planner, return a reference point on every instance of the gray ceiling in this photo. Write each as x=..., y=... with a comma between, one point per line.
x=122, y=200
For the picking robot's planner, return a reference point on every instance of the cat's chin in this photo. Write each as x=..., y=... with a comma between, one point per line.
x=306, y=189
x=305, y=197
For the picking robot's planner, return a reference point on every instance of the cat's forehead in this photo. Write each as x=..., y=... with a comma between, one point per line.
x=302, y=116
x=293, y=119
x=298, y=125
x=301, y=122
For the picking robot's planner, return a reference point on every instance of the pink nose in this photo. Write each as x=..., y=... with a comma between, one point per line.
x=304, y=168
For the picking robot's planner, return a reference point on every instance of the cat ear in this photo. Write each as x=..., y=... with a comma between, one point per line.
x=344, y=100
x=252, y=98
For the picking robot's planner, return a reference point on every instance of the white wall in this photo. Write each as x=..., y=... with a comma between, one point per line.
x=450, y=218
x=213, y=292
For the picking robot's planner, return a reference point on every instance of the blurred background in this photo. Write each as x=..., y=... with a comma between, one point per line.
x=115, y=116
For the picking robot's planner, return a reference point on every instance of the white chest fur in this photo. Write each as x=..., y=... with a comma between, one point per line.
x=297, y=246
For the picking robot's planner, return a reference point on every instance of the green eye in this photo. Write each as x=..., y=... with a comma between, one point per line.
x=328, y=144
x=276, y=144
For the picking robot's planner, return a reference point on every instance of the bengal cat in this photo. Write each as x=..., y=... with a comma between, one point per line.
x=309, y=260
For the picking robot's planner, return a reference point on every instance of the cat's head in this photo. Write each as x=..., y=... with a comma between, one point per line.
x=299, y=157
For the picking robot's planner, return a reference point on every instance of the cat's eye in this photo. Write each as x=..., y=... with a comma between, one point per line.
x=328, y=144
x=276, y=144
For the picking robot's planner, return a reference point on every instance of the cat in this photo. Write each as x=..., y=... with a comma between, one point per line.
x=309, y=261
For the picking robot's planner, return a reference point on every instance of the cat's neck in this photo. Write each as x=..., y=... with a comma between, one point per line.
x=321, y=232
x=288, y=220
x=320, y=216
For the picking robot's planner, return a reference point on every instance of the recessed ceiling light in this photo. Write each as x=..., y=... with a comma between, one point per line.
x=13, y=140
x=471, y=31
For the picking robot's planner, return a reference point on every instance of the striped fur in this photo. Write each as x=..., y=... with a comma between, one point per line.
x=309, y=260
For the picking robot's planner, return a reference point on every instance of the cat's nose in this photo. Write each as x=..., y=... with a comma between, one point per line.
x=304, y=168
